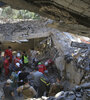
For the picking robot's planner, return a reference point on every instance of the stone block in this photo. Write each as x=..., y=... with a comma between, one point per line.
x=62, y=2
x=76, y=8
x=78, y=98
x=73, y=75
x=80, y=3
x=87, y=13
x=70, y=1
x=60, y=65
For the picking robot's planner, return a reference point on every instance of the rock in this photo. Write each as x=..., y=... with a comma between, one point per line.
x=60, y=63
x=1, y=94
x=71, y=97
x=77, y=88
x=79, y=99
x=59, y=94
x=44, y=98
x=51, y=98
x=61, y=98
x=66, y=94
x=78, y=94
x=85, y=85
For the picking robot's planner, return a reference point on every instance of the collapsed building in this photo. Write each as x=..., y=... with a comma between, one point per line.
x=71, y=58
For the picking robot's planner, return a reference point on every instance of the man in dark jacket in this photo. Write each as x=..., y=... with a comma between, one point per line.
x=23, y=75
x=44, y=84
x=8, y=91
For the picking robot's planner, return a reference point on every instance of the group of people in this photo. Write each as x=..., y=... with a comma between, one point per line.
x=17, y=76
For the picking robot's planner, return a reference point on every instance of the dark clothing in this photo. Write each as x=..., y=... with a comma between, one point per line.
x=44, y=86
x=22, y=76
x=1, y=65
x=36, y=77
x=23, y=58
x=7, y=92
x=55, y=88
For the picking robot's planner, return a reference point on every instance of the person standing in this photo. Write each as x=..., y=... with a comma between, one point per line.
x=8, y=91
x=27, y=90
x=22, y=76
x=8, y=52
x=25, y=59
x=44, y=84
x=18, y=59
x=55, y=87
x=41, y=67
x=36, y=75
x=14, y=77
x=6, y=65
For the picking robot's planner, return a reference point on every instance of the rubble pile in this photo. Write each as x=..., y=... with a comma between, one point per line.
x=82, y=56
x=71, y=60
x=81, y=92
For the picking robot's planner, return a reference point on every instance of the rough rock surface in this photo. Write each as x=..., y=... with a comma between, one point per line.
x=71, y=15
x=80, y=93
x=14, y=31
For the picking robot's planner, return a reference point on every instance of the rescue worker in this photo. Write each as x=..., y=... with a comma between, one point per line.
x=44, y=84
x=55, y=87
x=1, y=65
x=36, y=75
x=17, y=66
x=6, y=65
x=25, y=59
x=41, y=67
x=49, y=65
x=23, y=75
x=27, y=90
x=8, y=52
x=14, y=77
x=18, y=59
x=8, y=91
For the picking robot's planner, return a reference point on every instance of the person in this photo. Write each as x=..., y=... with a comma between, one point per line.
x=29, y=57
x=8, y=52
x=6, y=65
x=27, y=90
x=14, y=77
x=55, y=87
x=8, y=91
x=18, y=59
x=17, y=66
x=23, y=75
x=1, y=65
x=49, y=65
x=36, y=75
x=25, y=59
x=41, y=67
x=44, y=84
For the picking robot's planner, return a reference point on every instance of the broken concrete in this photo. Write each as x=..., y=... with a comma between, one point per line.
x=71, y=15
x=61, y=43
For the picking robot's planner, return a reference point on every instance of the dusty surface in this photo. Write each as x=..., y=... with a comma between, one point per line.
x=71, y=15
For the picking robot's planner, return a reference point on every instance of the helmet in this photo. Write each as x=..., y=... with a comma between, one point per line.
x=46, y=63
x=18, y=55
x=9, y=81
x=39, y=63
x=17, y=64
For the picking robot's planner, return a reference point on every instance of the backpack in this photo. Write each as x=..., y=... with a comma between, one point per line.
x=27, y=92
